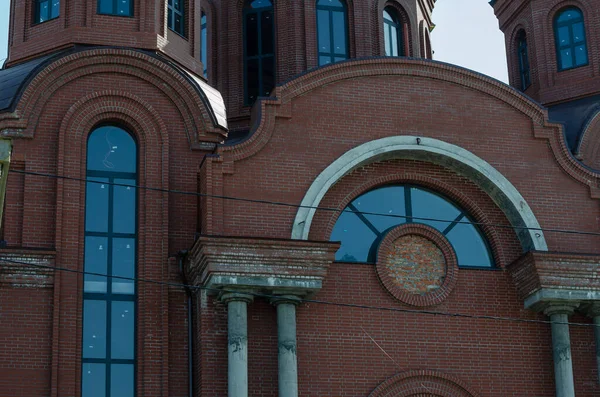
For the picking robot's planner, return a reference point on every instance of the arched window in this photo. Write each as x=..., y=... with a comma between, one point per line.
x=523, y=54
x=259, y=49
x=110, y=241
x=332, y=31
x=204, y=44
x=367, y=219
x=569, y=33
x=392, y=33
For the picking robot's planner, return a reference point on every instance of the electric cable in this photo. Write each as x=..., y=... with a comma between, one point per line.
x=326, y=209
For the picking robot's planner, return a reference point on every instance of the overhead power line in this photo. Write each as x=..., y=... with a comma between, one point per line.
x=326, y=209
x=303, y=300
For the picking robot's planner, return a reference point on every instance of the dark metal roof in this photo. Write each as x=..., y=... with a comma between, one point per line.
x=574, y=115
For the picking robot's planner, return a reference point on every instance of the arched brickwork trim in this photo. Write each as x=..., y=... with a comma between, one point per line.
x=166, y=78
x=150, y=131
x=423, y=383
x=588, y=149
x=513, y=55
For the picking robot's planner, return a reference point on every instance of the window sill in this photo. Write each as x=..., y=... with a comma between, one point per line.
x=114, y=15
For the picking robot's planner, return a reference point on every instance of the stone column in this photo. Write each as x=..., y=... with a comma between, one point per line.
x=593, y=310
x=561, y=347
x=237, y=343
x=286, y=340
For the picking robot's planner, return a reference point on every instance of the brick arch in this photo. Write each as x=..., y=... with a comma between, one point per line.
x=588, y=149
x=196, y=113
x=423, y=383
x=438, y=186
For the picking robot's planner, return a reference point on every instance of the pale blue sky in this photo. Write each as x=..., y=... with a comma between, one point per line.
x=466, y=34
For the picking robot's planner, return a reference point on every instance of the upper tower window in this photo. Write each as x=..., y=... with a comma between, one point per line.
x=569, y=33
x=332, y=31
x=176, y=16
x=392, y=33
x=46, y=10
x=259, y=49
x=204, y=44
x=522, y=53
x=116, y=7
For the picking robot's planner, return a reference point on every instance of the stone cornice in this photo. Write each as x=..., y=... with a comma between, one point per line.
x=267, y=265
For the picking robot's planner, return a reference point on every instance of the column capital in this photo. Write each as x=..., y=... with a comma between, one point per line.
x=560, y=307
x=236, y=296
x=591, y=309
x=290, y=299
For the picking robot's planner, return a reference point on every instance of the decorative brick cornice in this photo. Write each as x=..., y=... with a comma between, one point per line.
x=423, y=383
x=15, y=273
x=269, y=265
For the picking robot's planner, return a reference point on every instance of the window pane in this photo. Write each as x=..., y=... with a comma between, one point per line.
x=55, y=11
x=324, y=60
x=96, y=205
x=178, y=24
x=386, y=201
x=387, y=40
x=355, y=236
x=94, y=329
x=94, y=380
x=581, y=57
x=121, y=380
x=260, y=4
x=111, y=149
x=323, y=31
x=252, y=79
x=122, y=330
x=266, y=28
x=170, y=18
x=564, y=38
x=578, y=34
x=330, y=3
x=339, y=32
x=105, y=6
x=43, y=11
x=96, y=249
x=338, y=59
x=469, y=246
x=429, y=205
x=124, y=206
x=251, y=34
x=123, y=265
x=177, y=5
x=569, y=15
x=566, y=59
x=268, y=79
x=124, y=7
x=204, y=50
x=387, y=16
x=394, y=37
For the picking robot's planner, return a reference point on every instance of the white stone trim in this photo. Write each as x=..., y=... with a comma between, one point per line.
x=451, y=156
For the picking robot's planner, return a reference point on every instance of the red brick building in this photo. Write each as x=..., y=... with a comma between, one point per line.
x=261, y=198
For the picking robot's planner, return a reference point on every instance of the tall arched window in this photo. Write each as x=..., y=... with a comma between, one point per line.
x=259, y=49
x=332, y=31
x=109, y=303
x=392, y=33
x=366, y=220
x=569, y=33
x=523, y=55
x=204, y=44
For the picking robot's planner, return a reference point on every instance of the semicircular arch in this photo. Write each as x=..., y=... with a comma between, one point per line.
x=424, y=383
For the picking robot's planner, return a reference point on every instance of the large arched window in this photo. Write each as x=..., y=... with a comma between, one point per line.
x=204, y=44
x=332, y=31
x=392, y=33
x=523, y=55
x=259, y=49
x=109, y=304
x=367, y=219
x=569, y=33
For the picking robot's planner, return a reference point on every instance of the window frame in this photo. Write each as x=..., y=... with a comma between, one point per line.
x=37, y=4
x=173, y=12
x=114, y=12
x=204, y=43
x=108, y=296
x=523, y=60
x=332, y=55
x=569, y=24
x=399, y=26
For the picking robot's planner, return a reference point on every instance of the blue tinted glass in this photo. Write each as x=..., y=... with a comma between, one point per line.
x=569, y=14
x=122, y=330
x=578, y=33
x=204, y=49
x=564, y=37
x=54, y=12
x=387, y=40
x=124, y=7
x=355, y=236
x=385, y=201
x=94, y=329
x=581, y=55
x=123, y=265
x=260, y=4
x=566, y=59
x=96, y=205
x=324, y=60
x=330, y=3
x=96, y=249
x=429, y=205
x=124, y=206
x=43, y=11
x=111, y=149
x=394, y=41
x=469, y=246
x=121, y=380
x=323, y=31
x=339, y=32
x=94, y=380
x=387, y=16
x=105, y=6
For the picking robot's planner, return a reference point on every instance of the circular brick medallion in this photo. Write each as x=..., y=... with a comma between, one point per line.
x=417, y=265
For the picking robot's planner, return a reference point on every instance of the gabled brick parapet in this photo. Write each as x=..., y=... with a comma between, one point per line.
x=551, y=277
x=268, y=265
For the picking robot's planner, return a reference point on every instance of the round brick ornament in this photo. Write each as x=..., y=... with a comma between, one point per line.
x=417, y=265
